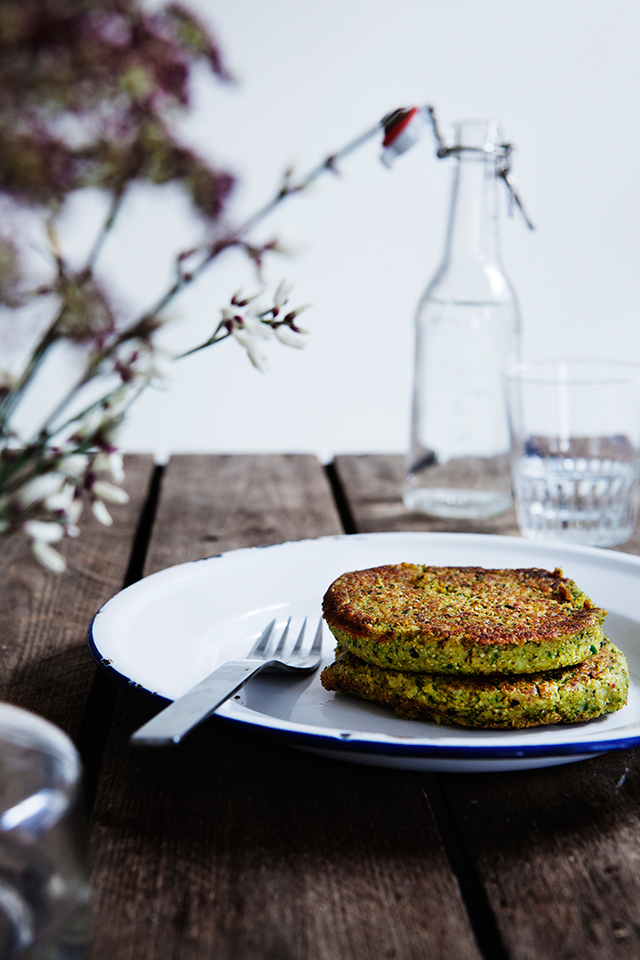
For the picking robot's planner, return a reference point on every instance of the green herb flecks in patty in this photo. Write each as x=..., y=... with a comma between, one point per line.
x=597, y=686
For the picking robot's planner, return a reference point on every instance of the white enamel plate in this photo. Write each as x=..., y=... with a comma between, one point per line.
x=167, y=632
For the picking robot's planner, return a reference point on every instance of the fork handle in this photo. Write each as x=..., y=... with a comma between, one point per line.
x=185, y=713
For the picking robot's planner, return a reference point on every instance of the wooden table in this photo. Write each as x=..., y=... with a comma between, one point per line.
x=238, y=848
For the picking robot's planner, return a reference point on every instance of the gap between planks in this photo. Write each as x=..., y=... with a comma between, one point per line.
x=101, y=702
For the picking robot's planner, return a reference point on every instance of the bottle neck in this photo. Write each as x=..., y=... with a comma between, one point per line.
x=472, y=235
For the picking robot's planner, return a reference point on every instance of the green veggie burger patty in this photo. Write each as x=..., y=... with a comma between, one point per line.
x=571, y=694
x=468, y=620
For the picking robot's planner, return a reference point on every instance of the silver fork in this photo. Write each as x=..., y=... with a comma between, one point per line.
x=189, y=710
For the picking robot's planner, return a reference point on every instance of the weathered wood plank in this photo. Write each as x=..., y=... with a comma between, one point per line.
x=44, y=616
x=238, y=847
x=557, y=851
x=210, y=504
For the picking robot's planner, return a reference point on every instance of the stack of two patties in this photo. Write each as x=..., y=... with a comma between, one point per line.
x=472, y=646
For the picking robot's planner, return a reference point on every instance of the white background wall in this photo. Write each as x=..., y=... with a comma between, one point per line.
x=561, y=75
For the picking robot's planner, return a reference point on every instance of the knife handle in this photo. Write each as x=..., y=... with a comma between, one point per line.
x=171, y=724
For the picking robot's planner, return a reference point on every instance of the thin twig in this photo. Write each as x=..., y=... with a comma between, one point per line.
x=13, y=395
x=235, y=237
x=76, y=418
x=209, y=343
x=60, y=408
x=114, y=209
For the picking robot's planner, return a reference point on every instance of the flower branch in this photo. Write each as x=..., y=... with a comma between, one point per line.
x=89, y=95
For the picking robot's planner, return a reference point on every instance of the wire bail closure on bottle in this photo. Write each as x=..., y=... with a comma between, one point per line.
x=403, y=127
x=502, y=151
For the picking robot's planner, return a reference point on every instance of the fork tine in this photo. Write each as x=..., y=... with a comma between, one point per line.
x=298, y=644
x=262, y=642
x=316, y=646
x=279, y=649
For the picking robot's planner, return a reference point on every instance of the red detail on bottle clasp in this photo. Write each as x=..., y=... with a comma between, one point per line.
x=395, y=128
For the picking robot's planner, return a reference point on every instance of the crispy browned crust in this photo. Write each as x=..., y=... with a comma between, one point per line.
x=483, y=606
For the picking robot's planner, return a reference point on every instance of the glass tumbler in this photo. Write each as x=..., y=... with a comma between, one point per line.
x=44, y=888
x=575, y=442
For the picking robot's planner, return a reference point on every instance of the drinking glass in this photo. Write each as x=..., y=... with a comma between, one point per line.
x=575, y=438
x=44, y=889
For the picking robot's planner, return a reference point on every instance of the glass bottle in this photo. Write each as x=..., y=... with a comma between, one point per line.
x=467, y=330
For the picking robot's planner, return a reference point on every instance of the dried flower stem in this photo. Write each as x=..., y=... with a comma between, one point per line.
x=217, y=337
x=114, y=208
x=17, y=389
x=236, y=236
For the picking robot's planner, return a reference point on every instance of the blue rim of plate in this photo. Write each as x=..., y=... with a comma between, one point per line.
x=386, y=744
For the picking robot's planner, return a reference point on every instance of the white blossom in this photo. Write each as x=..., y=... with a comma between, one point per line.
x=43, y=534
x=74, y=465
x=45, y=531
x=74, y=510
x=254, y=310
x=101, y=513
x=109, y=491
x=289, y=337
x=61, y=500
x=281, y=295
x=256, y=328
x=72, y=515
x=111, y=464
x=256, y=355
x=71, y=506
x=40, y=488
x=251, y=335
x=48, y=556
